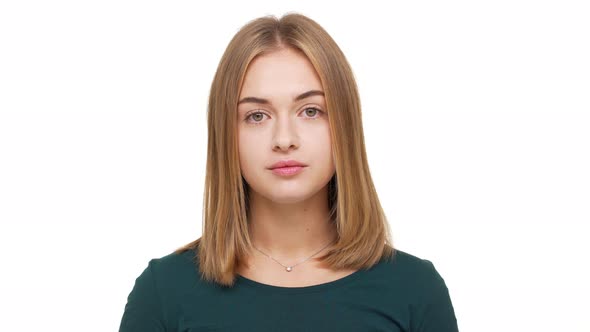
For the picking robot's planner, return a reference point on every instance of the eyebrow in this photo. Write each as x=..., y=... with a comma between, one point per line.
x=304, y=95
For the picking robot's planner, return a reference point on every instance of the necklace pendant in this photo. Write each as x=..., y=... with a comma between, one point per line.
x=289, y=268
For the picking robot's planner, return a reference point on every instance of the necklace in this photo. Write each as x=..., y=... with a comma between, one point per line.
x=290, y=268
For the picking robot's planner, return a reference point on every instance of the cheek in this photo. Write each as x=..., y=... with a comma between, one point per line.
x=321, y=145
x=249, y=151
x=328, y=150
x=325, y=138
x=243, y=152
x=242, y=148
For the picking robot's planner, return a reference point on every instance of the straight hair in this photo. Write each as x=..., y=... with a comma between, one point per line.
x=364, y=236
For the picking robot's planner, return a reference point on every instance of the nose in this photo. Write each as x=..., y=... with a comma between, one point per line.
x=285, y=136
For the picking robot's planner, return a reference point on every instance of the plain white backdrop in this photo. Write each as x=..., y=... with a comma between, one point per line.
x=476, y=118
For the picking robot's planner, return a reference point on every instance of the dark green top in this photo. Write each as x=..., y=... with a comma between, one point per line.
x=403, y=294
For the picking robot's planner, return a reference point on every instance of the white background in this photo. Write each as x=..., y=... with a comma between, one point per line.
x=476, y=118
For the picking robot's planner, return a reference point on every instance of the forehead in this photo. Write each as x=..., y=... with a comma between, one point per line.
x=278, y=73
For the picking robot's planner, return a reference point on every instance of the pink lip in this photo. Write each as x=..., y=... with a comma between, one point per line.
x=286, y=163
x=287, y=171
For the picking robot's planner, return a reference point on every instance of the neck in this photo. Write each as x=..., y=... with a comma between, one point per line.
x=290, y=231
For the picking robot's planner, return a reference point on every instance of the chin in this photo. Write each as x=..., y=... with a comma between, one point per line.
x=288, y=197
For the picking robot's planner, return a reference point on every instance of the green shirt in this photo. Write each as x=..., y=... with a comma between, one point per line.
x=404, y=294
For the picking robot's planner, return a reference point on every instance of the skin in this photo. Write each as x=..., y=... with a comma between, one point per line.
x=288, y=215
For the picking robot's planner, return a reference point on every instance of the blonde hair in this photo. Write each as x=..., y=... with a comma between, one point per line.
x=363, y=233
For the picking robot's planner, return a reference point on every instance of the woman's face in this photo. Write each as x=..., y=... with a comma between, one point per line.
x=284, y=127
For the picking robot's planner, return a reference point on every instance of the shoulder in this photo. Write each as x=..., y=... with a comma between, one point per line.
x=175, y=272
x=424, y=291
x=174, y=261
x=417, y=276
x=411, y=265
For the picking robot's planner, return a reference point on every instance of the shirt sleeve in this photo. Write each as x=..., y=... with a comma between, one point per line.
x=143, y=311
x=434, y=311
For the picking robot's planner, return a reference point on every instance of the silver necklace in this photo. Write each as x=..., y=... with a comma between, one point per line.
x=290, y=268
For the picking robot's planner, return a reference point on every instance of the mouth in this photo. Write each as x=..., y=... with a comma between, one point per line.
x=287, y=170
x=287, y=163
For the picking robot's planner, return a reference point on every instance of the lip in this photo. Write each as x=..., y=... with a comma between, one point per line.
x=287, y=164
x=287, y=171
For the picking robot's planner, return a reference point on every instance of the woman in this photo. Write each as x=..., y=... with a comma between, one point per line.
x=294, y=237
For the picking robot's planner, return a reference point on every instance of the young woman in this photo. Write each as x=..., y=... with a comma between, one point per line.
x=294, y=237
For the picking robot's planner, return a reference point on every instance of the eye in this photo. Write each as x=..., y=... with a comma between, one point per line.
x=315, y=111
x=256, y=117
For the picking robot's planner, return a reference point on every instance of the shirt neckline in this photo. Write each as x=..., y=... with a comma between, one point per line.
x=262, y=287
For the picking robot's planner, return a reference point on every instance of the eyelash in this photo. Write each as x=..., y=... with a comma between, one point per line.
x=260, y=122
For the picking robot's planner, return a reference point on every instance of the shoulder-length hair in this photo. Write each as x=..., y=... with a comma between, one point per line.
x=363, y=233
